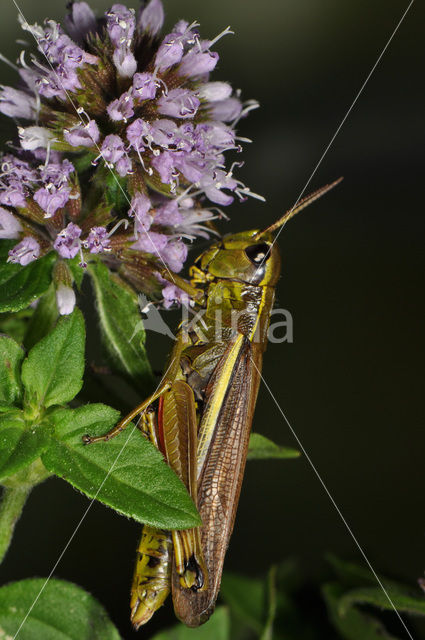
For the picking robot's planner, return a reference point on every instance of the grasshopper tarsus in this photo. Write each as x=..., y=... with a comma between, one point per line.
x=87, y=439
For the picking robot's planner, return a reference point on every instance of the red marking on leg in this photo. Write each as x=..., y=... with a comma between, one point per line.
x=161, y=440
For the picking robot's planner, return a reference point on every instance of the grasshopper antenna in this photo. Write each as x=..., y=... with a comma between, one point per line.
x=305, y=202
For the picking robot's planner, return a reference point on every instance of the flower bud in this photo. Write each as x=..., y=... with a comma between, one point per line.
x=151, y=18
x=65, y=299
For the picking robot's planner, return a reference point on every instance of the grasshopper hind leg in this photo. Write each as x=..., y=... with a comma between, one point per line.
x=122, y=424
x=188, y=559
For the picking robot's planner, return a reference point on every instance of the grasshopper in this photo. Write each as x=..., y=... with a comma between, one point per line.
x=201, y=414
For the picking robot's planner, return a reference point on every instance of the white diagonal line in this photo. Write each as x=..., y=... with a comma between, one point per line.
x=341, y=124
x=78, y=112
x=262, y=378
x=132, y=431
x=83, y=517
x=331, y=498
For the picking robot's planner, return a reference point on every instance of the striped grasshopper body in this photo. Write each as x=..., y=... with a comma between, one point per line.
x=200, y=418
x=206, y=404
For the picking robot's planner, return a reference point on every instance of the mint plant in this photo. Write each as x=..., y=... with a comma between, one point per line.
x=119, y=162
x=41, y=435
x=122, y=137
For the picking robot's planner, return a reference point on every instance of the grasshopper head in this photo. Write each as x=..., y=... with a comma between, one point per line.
x=243, y=257
x=253, y=256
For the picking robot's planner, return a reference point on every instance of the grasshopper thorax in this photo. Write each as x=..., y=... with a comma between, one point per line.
x=243, y=257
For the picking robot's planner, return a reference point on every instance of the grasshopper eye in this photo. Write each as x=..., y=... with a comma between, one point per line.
x=258, y=253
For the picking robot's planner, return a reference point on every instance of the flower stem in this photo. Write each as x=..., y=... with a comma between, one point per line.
x=12, y=503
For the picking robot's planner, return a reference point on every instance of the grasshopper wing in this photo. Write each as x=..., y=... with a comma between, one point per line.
x=220, y=478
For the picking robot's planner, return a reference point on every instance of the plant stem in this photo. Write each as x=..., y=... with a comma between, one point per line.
x=12, y=503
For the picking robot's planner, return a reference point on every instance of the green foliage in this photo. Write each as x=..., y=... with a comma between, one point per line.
x=350, y=574
x=246, y=598
x=403, y=599
x=42, y=320
x=263, y=608
x=358, y=588
x=21, y=443
x=128, y=473
x=354, y=624
x=15, y=324
x=11, y=356
x=217, y=628
x=270, y=609
x=83, y=161
x=77, y=270
x=261, y=448
x=122, y=327
x=53, y=371
x=62, y=612
x=272, y=604
x=12, y=503
x=19, y=286
x=114, y=188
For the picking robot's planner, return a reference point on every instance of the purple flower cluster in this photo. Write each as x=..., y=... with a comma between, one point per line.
x=58, y=73
x=167, y=130
x=48, y=185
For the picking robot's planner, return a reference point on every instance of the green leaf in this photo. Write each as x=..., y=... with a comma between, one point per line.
x=19, y=445
x=344, y=603
x=12, y=503
x=127, y=473
x=77, y=271
x=350, y=574
x=5, y=247
x=272, y=604
x=11, y=356
x=52, y=372
x=247, y=599
x=114, y=188
x=43, y=318
x=217, y=628
x=403, y=599
x=261, y=448
x=353, y=575
x=264, y=606
x=19, y=286
x=62, y=611
x=15, y=324
x=84, y=161
x=121, y=326
x=354, y=624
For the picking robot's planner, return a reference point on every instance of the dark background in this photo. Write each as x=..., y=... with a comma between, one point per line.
x=351, y=384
